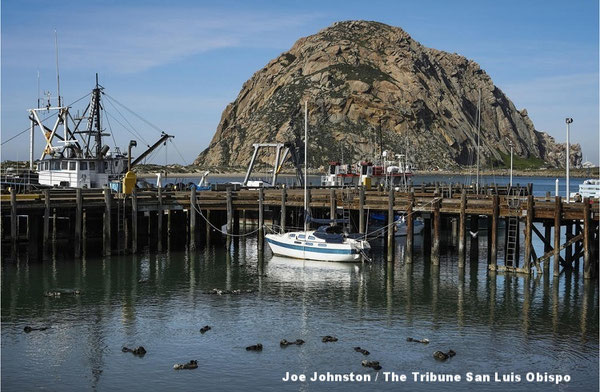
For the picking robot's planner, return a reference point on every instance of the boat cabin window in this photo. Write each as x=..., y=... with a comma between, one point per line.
x=323, y=245
x=93, y=166
x=55, y=165
x=301, y=237
x=83, y=166
x=297, y=242
x=292, y=235
x=72, y=165
x=310, y=237
x=63, y=165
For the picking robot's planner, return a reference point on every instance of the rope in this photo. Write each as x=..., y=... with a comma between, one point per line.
x=135, y=114
x=178, y=152
x=218, y=229
x=44, y=119
x=127, y=121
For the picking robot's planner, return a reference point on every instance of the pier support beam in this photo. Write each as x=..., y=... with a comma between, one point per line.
x=159, y=222
x=332, y=206
x=229, y=216
x=528, y=232
x=391, y=226
x=208, y=227
x=261, y=217
x=13, y=221
x=587, y=234
x=46, y=233
x=78, y=222
x=435, y=249
x=410, y=228
x=106, y=229
x=193, y=214
x=283, y=209
x=134, y=221
x=462, y=223
x=494, y=236
x=361, y=210
x=557, y=217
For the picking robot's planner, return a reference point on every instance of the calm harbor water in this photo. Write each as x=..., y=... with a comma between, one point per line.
x=495, y=323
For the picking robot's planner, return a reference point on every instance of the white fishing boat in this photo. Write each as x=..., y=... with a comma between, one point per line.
x=327, y=243
x=80, y=159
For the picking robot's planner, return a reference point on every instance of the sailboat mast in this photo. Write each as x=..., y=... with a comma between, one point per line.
x=305, y=165
x=478, y=129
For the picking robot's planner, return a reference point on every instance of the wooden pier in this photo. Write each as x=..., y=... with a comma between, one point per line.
x=167, y=219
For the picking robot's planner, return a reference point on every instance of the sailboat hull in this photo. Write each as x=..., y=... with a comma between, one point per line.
x=314, y=250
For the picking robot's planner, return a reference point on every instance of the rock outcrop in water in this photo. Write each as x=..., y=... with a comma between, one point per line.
x=369, y=84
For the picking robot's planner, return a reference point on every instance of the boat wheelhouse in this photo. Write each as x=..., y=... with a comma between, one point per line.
x=81, y=160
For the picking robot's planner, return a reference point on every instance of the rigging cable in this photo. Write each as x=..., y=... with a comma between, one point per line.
x=44, y=119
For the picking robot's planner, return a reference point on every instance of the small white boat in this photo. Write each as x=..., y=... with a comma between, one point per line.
x=322, y=244
x=418, y=227
x=589, y=188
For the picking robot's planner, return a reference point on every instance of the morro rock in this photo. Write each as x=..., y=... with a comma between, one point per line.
x=371, y=86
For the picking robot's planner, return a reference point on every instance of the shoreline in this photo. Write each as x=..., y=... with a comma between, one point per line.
x=550, y=173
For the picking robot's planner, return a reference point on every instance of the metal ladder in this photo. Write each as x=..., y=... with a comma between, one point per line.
x=514, y=205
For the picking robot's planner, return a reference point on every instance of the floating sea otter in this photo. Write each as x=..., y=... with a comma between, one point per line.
x=372, y=364
x=329, y=339
x=424, y=341
x=28, y=329
x=193, y=364
x=285, y=343
x=255, y=347
x=361, y=350
x=139, y=351
x=442, y=356
x=205, y=329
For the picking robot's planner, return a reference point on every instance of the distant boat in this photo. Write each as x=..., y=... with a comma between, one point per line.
x=401, y=226
x=327, y=243
x=589, y=188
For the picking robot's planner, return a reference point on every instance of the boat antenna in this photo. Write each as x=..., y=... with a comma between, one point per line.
x=305, y=166
x=57, y=73
x=478, y=129
x=38, y=86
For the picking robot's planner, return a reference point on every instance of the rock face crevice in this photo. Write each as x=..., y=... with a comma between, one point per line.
x=369, y=85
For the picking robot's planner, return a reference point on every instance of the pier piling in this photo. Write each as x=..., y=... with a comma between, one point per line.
x=557, y=217
x=435, y=249
x=193, y=215
x=283, y=209
x=462, y=223
x=587, y=267
x=410, y=228
x=391, y=226
x=78, y=222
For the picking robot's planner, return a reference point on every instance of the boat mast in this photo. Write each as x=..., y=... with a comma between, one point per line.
x=98, y=135
x=57, y=74
x=305, y=166
x=478, y=129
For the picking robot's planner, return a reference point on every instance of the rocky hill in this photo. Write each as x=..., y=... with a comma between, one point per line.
x=369, y=85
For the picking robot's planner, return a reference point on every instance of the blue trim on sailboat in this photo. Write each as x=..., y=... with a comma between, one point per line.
x=312, y=249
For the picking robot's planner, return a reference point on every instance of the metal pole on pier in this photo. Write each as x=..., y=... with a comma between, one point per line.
x=568, y=120
x=511, y=162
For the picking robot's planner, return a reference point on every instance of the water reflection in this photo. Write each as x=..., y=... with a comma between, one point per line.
x=159, y=300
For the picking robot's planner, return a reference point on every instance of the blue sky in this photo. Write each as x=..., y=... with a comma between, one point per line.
x=179, y=63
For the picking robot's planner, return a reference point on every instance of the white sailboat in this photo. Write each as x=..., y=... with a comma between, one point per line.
x=326, y=243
